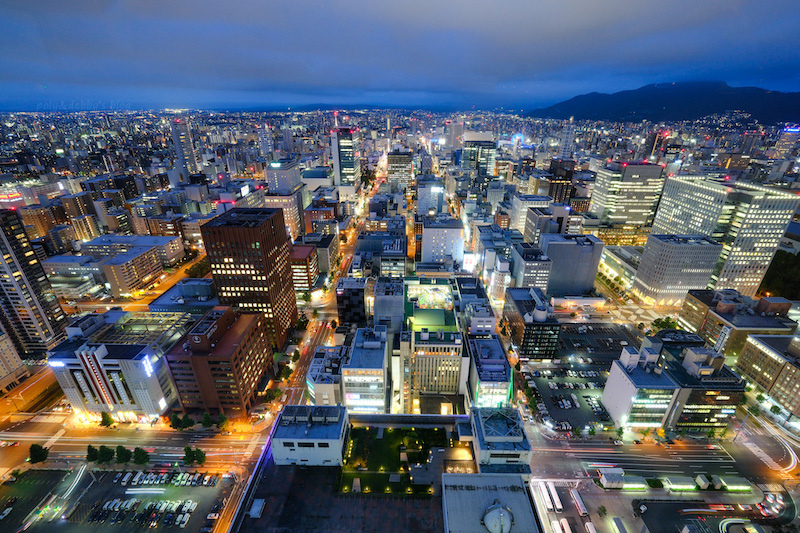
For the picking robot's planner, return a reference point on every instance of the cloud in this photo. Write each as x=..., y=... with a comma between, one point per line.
x=415, y=52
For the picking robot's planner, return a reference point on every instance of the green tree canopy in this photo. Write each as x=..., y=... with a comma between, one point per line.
x=105, y=455
x=123, y=455
x=106, y=420
x=207, y=422
x=38, y=453
x=91, y=453
x=140, y=456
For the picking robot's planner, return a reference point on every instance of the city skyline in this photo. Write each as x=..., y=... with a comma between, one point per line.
x=445, y=55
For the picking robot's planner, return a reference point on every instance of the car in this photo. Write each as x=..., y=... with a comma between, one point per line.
x=15, y=443
x=745, y=507
x=12, y=501
x=212, y=516
x=5, y=513
x=116, y=478
x=618, y=443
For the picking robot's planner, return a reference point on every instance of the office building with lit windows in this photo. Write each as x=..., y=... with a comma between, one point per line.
x=365, y=372
x=249, y=254
x=443, y=240
x=672, y=265
x=217, y=365
x=490, y=380
x=185, y=154
x=534, y=329
x=400, y=168
x=628, y=193
x=521, y=203
x=12, y=369
x=748, y=220
x=724, y=318
x=531, y=266
x=772, y=363
x=479, y=153
x=115, y=363
x=346, y=166
x=672, y=383
x=29, y=310
x=305, y=267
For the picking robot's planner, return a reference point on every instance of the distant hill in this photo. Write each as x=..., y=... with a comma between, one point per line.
x=678, y=101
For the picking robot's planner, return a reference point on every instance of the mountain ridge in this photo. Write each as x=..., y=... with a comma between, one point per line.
x=677, y=101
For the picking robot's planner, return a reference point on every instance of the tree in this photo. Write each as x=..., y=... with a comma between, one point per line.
x=760, y=398
x=222, y=422
x=140, y=456
x=620, y=431
x=306, y=297
x=188, y=455
x=286, y=372
x=199, y=456
x=315, y=313
x=175, y=421
x=91, y=453
x=199, y=269
x=295, y=356
x=661, y=433
x=124, y=455
x=666, y=322
x=682, y=432
x=775, y=410
x=723, y=432
x=105, y=455
x=592, y=431
x=640, y=326
x=755, y=410
x=602, y=511
x=38, y=453
x=711, y=433
x=186, y=422
x=645, y=433
x=105, y=420
x=518, y=366
x=207, y=422
x=333, y=324
x=272, y=394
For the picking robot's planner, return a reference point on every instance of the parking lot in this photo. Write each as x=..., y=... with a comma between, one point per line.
x=595, y=340
x=24, y=495
x=188, y=501
x=569, y=399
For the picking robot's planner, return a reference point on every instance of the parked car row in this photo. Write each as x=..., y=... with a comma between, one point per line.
x=169, y=513
x=164, y=478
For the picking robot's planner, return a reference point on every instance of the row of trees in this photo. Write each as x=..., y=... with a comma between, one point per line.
x=184, y=422
x=105, y=455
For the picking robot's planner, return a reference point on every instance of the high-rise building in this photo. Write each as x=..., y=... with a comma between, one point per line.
x=29, y=310
x=557, y=218
x=114, y=363
x=748, y=220
x=560, y=181
x=443, y=240
x=249, y=254
x=346, y=166
x=430, y=195
x=479, y=153
x=531, y=266
x=266, y=142
x=86, y=227
x=305, y=266
x=520, y=203
x=351, y=300
x=218, y=364
x=185, y=154
x=786, y=143
x=575, y=261
x=566, y=143
x=400, y=168
x=672, y=265
x=12, y=370
x=282, y=176
x=772, y=362
x=627, y=193
x=534, y=329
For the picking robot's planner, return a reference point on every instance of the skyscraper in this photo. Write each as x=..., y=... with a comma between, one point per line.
x=480, y=152
x=346, y=167
x=29, y=311
x=566, y=143
x=400, y=168
x=748, y=220
x=249, y=254
x=627, y=193
x=185, y=155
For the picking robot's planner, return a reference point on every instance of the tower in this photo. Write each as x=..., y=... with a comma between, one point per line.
x=185, y=155
x=29, y=310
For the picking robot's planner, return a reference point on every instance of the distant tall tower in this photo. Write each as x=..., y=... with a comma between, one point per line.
x=266, y=144
x=29, y=310
x=567, y=142
x=346, y=167
x=185, y=155
x=249, y=254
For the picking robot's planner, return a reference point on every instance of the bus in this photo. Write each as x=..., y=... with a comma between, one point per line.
x=589, y=527
x=576, y=497
x=126, y=478
x=556, y=526
x=548, y=502
x=556, y=500
x=565, y=526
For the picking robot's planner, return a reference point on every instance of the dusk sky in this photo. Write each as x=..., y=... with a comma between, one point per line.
x=454, y=53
